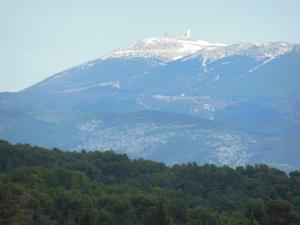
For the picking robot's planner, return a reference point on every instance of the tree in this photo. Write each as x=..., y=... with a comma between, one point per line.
x=256, y=211
x=161, y=217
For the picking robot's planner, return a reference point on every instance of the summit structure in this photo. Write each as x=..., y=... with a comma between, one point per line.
x=188, y=33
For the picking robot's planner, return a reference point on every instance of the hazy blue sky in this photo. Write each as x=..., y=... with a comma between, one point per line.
x=39, y=38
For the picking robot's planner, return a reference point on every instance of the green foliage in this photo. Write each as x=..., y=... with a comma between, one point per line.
x=39, y=186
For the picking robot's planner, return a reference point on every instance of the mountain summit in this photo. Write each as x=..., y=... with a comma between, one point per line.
x=167, y=48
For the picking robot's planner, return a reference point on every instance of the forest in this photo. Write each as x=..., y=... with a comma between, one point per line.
x=54, y=187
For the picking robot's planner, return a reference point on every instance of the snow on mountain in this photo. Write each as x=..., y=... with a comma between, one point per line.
x=167, y=48
x=258, y=51
x=112, y=84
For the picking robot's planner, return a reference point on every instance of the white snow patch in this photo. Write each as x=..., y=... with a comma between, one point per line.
x=113, y=84
x=204, y=64
x=260, y=65
x=181, y=97
x=208, y=107
x=225, y=63
x=217, y=77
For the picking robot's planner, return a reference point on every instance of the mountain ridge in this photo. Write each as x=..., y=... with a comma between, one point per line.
x=252, y=89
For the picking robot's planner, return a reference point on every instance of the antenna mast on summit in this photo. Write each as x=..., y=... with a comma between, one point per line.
x=188, y=33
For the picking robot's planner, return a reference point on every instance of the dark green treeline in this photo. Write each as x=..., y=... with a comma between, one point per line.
x=39, y=186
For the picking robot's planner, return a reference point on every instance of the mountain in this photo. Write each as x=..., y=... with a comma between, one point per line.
x=171, y=99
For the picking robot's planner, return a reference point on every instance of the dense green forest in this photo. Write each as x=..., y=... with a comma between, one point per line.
x=40, y=186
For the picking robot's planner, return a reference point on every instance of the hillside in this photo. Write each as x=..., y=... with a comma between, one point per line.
x=40, y=186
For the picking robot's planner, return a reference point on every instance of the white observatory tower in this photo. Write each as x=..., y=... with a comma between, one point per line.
x=188, y=33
